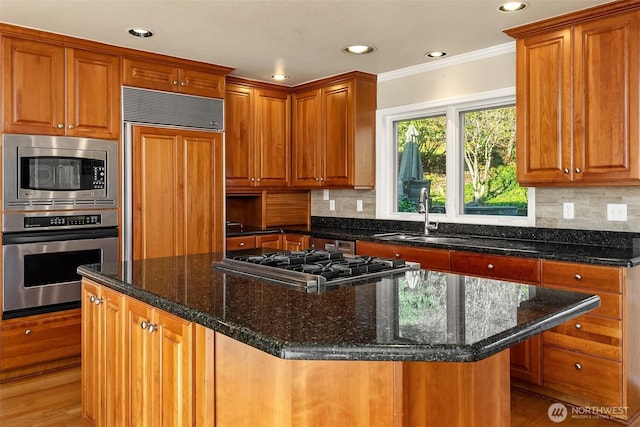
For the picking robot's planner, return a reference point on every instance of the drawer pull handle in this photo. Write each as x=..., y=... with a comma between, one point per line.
x=578, y=276
x=490, y=266
x=578, y=325
x=565, y=170
x=397, y=255
x=27, y=332
x=241, y=243
x=578, y=366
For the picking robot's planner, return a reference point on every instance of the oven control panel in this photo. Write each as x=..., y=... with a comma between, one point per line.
x=62, y=221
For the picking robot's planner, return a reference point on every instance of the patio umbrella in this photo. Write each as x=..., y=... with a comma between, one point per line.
x=410, y=166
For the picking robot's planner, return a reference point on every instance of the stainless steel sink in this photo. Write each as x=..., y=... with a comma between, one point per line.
x=426, y=238
x=468, y=241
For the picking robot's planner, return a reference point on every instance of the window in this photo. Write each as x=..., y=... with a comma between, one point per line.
x=462, y=151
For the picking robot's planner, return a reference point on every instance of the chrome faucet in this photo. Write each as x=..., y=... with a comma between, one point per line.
x=423, y=207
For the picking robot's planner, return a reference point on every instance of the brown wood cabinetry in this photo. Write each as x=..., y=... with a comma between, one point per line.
x=103, y=351
x=39, y=339
x=177, y=192
x=295, y=242
x=334, y=133
x=271, y=241
x=56, y=90
x=258, y=136
x=577, y=85
x=429, y=259
x=522, y=270
x=172, y=78
x=594, y=357
x=241, y=242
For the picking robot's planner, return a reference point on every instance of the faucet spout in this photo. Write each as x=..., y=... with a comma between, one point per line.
x=423, y=207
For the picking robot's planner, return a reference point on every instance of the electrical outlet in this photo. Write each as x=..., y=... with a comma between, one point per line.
x=325, y=194
x=616, y=211
x=332, y=205
x=359, y=205
x=567, y=210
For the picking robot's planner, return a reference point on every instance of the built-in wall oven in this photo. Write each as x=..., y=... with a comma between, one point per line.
x=60, y=200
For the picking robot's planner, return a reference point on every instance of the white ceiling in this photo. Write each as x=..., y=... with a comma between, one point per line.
x=301, y=38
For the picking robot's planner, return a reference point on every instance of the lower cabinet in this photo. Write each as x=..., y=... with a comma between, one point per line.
x=35, y=341
x=139, y=364
x=295, y=242
x=272, y=241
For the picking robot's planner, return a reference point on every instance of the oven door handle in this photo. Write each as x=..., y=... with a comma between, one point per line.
x=53, y=236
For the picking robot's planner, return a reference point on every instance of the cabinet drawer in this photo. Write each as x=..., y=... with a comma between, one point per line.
x=525, y=270
x=610, y=304
x=583, y=376
x=241, y=242
x=429, y=259
x=41, y=338
x=597, y=336
x=582, y=276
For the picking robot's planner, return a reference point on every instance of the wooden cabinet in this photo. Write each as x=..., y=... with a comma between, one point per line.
x=295, y=242
x=55, y=90
x=577, y=86
x=103, y=351
x=334, y=133
x=522, y=270
x=271, y=241
x=429, y=259
x=258, y=136
x=39, y=339
x=241, y=242
x=178, y=200
x=172, y=78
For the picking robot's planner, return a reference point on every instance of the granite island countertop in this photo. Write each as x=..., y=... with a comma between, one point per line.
x=417, y=315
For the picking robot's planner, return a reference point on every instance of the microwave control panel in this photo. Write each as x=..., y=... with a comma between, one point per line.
x=62, y=221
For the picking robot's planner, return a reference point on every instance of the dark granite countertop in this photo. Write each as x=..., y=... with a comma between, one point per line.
x=619, y=249
x=413, y=316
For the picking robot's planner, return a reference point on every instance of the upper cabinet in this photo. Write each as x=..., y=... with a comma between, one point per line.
x=334, y=133
x=577, y=98
x=172, y=78
x=258, y=135
x=56, y=90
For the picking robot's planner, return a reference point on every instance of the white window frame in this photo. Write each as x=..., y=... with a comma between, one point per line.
x=387, y=159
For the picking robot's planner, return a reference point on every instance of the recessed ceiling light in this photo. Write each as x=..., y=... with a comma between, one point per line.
x=279, y=77
x=513, y=6
x=140, y=32
x=435, y=54
x=358, y=49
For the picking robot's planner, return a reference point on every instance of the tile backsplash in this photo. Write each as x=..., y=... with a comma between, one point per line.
x=590, y=206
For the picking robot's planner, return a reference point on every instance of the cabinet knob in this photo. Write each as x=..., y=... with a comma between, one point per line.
x=321, y=179
x=60, y=125
x=578, y=325
x=70, y=126
x=175, y=83
x=27, y=332
x=317, y=179
x=253, y=179
x=578, y=366
x=183, y=83
x=258, y=179
x=144, y=324
x=578, y=170
x=152, y=328
x=578, y=276
x=565, y=170
x=95, y=300
x=397, y=255
x=490, y=266
x=241, y=243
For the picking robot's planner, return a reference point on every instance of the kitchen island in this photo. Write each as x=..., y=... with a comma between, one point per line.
x=419, y=348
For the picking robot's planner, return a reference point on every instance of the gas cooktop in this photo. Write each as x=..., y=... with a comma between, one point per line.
x=313, y=269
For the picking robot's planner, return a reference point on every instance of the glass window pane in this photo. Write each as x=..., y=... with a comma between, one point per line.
x=490, y=186
x=421, y=148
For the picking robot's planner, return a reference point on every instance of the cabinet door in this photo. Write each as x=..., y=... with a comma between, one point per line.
x=272, y=241
x=177, y=192
x=113, y=365
x=543, y=101
x=273, y=141
x=143, y=375
x=606, y=99
x=241, y=242
x=307, y=140
x=33, y=87
x=337, y=147
x=149, y=75
x=93, y=405
x=239, y=136
x=196, y=82
x=295, y=242
x=93, y=94
x=176, y=371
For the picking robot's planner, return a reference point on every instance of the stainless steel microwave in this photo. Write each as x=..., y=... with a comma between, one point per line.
x=52, y=172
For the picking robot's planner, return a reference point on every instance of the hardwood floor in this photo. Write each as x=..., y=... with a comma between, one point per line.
x=53, y=400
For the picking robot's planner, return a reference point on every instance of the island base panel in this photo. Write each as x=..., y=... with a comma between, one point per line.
x=256, y=389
